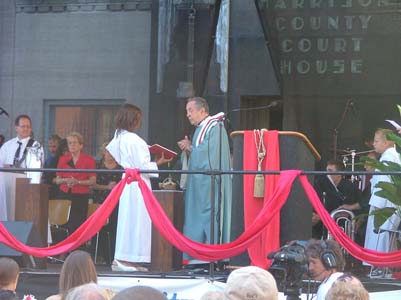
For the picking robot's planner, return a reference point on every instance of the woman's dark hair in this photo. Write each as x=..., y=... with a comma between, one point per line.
x=62, y=147
x=128, y=118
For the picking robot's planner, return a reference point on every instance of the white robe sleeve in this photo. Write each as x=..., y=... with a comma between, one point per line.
x=131, y=151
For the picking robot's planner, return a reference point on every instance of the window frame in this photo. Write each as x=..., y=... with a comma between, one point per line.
x=51, y=104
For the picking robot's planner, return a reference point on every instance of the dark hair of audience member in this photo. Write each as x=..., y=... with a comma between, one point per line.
x=62, y=147
x=139, y=293
x=339, y=164
x=9, y=272
x=8, y=295
x=77, y=269
x=316, y=247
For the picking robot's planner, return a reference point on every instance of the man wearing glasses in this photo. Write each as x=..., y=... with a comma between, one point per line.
x=13, y=153
x=20, y=152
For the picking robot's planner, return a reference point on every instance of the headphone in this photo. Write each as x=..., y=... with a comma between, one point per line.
x=327, y=256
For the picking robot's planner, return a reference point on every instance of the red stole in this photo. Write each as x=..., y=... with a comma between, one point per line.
x=269, y=240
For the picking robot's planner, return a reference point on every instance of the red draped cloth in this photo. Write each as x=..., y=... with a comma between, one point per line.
x=203, y=251
x=269, y=239
x=88, y=229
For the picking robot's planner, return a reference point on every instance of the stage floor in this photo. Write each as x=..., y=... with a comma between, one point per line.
x=181, y=284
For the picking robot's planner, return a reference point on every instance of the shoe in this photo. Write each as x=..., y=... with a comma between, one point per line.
x=120, y=267
x=377, y=273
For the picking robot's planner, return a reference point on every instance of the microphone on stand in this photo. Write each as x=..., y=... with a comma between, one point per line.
x=3, y=111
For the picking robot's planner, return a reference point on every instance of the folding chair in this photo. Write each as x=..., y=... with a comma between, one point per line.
x=92, y=207
x=59, y=214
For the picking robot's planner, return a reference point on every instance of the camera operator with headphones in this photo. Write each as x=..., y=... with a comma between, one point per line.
x=326, y=261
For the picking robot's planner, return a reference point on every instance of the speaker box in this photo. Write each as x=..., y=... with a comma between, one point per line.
x=26, y=233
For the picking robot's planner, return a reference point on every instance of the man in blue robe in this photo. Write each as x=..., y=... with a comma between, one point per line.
x=209, y=150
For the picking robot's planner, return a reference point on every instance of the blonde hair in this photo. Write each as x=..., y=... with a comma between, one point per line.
x=347, y=291
x=77, y=135
x=87, y=291
x=213, y=295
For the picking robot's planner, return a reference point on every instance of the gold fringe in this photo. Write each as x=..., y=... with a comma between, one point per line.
x=259, y=186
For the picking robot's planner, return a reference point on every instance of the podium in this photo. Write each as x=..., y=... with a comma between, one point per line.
x=7, y=194
x=296, y=152
x=164, y=256
x=27, y=217
x=32, y=204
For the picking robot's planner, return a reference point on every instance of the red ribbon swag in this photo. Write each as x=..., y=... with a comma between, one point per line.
x=268, y=212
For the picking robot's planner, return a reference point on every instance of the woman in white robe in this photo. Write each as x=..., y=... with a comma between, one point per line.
x=134, y=227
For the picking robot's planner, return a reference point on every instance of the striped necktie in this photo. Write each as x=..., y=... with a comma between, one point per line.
x=17, y=153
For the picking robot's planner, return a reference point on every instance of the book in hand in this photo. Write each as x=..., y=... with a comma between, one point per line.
x=158, y=150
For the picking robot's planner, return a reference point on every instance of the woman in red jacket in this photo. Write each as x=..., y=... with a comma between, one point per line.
x=73, y=185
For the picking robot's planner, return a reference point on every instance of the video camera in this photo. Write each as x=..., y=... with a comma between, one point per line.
x=289, y=265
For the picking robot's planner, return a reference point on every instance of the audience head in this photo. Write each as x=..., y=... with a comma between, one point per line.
x=139, y=293
x=62, y=147
x=102, y=150
x=77, y=269
x=380, y=141
x=332, y=166
x=213, y=295
x=129, y=117
x=347, y=277
x=249, y=283
x=105, y=157
x=88, y=291
x=75, y=142
x=325, y=258
x=8, y=295
x=2, y=139
x=335, y=165
x=53, y=143
x=23, y=126
x=346, y=290
x=9, y=273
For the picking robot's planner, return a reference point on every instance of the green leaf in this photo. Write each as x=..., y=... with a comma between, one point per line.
x=381, y=215
x=399, y=109
x=390, y=191
x=371, y=162
x=394, y=137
